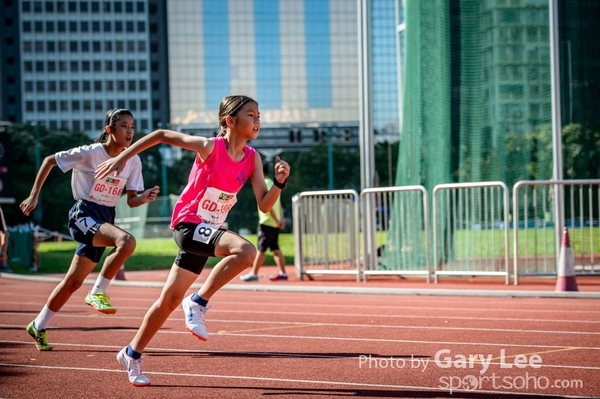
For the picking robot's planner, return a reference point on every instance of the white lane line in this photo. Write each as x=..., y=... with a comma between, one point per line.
x=418, y=302
x=149, y=351
x=252, y=303
x=320, y=324
x=345, y=325
x=326, y=314
x=348, y=339
x=392, y=316
x=283, y=380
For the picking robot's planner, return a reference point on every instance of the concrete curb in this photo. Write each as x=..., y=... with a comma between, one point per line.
x=337, y=289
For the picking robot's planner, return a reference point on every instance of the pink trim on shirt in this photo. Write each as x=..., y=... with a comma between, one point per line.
x=219, y=171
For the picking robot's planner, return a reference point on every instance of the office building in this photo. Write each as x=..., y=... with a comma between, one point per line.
x=65, y=63
x=298, y=58
x=477, y=87
x=172, y=61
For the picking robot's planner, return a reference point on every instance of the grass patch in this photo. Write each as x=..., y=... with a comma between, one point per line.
x=150, y=254
x=159, y=253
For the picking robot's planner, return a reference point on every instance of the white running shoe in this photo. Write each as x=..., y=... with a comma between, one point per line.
x=249, y=277
x=194, y=318
x=133, y=368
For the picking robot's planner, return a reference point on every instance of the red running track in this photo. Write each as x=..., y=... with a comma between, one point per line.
x=291, y=345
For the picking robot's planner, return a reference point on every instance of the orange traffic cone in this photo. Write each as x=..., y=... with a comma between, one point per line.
x=565, y=280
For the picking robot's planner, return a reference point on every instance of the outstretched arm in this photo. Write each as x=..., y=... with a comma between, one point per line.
x=267, y=198
x=202, y=145
x=30, y=202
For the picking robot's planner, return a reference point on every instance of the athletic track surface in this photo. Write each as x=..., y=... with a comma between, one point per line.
x=327, y=338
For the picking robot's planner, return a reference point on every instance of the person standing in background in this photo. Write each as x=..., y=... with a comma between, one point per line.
x=269, y=226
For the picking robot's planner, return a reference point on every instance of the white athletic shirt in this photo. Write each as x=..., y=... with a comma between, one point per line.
x=84, y=160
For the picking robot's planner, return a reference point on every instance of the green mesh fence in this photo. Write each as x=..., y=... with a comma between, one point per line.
x=477, y=100
x=151, y=220
x=21, y=244
x=132, y=220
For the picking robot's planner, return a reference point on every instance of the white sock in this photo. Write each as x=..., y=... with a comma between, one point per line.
x=100, y=285
x=44, y=318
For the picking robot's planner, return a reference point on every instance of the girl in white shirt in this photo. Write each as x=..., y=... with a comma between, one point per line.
x=91, y=219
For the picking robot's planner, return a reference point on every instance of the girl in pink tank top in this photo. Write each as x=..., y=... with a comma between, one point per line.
x=222, y=166
x=219, y=173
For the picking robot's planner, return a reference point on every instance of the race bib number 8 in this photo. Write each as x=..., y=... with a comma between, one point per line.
x=204, y=232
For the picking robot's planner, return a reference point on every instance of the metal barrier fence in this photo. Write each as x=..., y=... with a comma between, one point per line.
x=535, y=237
x=395, y=227
x=469, y=237
x=158, y=218
x=326, y=233
x=469, y=229
x=150, y=220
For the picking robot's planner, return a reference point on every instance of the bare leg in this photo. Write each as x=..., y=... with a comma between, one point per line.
x=80, y=268
x=178, y=282
x=279, y=260
x=258, y=261
x=238, y=253
x=123, y=243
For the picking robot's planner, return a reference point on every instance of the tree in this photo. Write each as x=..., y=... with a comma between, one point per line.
x=531, y=157
x=581, y=152
x=56, y=196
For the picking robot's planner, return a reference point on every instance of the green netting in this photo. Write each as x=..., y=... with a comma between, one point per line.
x=427, y=116
x=21, y=244
x=477, y=100
x=477, y=90
x=132, y=220
x=427, y=95
x=150, y=220
x=405, y=248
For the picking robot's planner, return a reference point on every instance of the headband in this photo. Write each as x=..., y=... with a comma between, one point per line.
x=240, y=105
x=114, y=111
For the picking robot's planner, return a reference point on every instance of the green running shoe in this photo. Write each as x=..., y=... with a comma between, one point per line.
x=41, y=340
x=100, y=302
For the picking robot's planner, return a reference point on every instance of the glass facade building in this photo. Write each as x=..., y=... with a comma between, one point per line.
x=385, y=67
x=173, y=61
x=477, y=87
x=298, y=58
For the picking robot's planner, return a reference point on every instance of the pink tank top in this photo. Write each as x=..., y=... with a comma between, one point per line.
x=212, y=186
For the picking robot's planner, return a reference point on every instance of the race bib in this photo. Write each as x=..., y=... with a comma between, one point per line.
x=107, y=191
x=85, y=224
x=214, y=206
x=204, y=232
